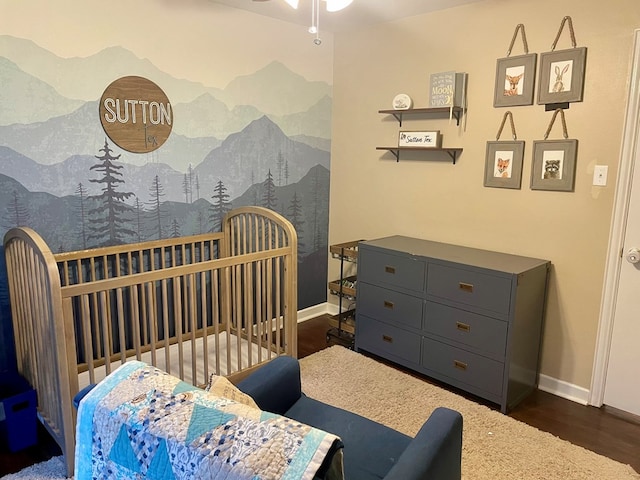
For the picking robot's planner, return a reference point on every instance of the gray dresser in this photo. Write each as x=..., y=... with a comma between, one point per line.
x=470, y=318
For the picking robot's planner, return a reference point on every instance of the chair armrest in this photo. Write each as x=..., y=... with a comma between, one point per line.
x=436, y=451
x=81, y=394
x=275, y=387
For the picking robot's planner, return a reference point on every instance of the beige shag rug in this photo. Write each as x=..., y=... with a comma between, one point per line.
x=495, y=446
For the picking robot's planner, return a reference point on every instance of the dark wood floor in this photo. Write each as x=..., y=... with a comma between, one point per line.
x=592, y=428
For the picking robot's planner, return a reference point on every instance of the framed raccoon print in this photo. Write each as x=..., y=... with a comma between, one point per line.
x=554, y=165
x=503, y=164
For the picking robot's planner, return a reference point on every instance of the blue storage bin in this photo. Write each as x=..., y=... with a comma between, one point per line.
x=18, y=420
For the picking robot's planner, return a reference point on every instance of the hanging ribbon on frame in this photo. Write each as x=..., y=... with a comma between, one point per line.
x=554, y=161
x=515, y=76
x=562, y=72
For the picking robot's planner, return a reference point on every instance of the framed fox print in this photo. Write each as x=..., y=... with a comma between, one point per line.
x=503, y=164
x=515, y=78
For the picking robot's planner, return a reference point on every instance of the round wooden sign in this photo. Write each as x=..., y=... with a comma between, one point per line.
x=136, y=114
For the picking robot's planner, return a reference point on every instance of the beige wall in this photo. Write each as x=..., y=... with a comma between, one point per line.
x=372, y=195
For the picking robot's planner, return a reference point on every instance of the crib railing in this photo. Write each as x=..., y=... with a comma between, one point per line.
x=173, y=314
x=45, y=350
x=256, y=229
x=87, y=312
x=117, y=323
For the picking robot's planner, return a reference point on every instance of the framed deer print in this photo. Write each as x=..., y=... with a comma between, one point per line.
x=515, y=78
x=503, y=164
x=562, y=76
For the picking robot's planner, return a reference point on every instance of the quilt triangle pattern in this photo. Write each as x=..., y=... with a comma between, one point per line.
x=122, y=452
x=204, y=419
x=182, y=387
x=160, y=466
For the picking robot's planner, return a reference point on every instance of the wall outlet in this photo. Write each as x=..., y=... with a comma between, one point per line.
x=600, y=175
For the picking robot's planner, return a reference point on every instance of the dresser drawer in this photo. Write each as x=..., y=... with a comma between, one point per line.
x=384, y=339
x=399, y=272
x=478, y=331
x=475, y=370
x=474, y=288
x=389, y=305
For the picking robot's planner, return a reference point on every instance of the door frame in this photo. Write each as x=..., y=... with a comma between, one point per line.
x=630, y=146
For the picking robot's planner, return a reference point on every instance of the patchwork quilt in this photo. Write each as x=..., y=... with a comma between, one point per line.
x=141, y=422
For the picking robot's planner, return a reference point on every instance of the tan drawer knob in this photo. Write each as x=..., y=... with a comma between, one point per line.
x=389, y=269
x=387, y=338
x=459, y=365
x=463, y=327
x=466, y=287
x=388, y=304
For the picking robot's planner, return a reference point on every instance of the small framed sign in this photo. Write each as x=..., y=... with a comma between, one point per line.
x=420, y=139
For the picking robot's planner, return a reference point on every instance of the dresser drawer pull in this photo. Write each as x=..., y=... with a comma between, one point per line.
x=459, y=365
x=389, y=269
x=387, y=338
x=388, y=304
x=463, y=327
x=466, y=287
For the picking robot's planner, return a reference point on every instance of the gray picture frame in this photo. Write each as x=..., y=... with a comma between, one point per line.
x=512, y=151
x=562, y=76
x=554, y=165
x=510, y=93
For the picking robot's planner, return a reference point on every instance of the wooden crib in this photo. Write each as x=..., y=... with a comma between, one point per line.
x=220, y=303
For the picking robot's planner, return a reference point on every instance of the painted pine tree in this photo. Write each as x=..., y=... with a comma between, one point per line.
x=156, y=214
x=269, y=199
x=107, y=220
x=296, y=217
x=221, y=205
x=81, y=191
x=16, y=213
x=139, y=207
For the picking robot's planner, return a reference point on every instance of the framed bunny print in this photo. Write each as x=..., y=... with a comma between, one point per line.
x=562, y=76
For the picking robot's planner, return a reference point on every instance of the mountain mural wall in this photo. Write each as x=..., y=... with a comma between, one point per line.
x=263, y=139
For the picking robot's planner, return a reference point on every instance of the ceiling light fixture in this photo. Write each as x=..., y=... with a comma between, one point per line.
x=332, y=6
x=337, y=5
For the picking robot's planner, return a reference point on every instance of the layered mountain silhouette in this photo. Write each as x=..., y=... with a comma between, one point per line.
x=252, y=152
x=259, y=148
x=58, y=220
x=39, y=101
x=274, y=89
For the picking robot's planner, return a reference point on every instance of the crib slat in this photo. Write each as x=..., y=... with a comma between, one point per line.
x=205, y=325
x=191, y=305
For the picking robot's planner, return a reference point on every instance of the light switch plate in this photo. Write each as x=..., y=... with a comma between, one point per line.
x=600, y=175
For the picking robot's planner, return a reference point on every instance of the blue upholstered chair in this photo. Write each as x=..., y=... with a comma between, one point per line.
x=371, y=450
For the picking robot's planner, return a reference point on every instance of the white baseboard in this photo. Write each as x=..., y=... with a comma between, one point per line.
x=315, y=311
x=563, y=389
x=547, y=384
